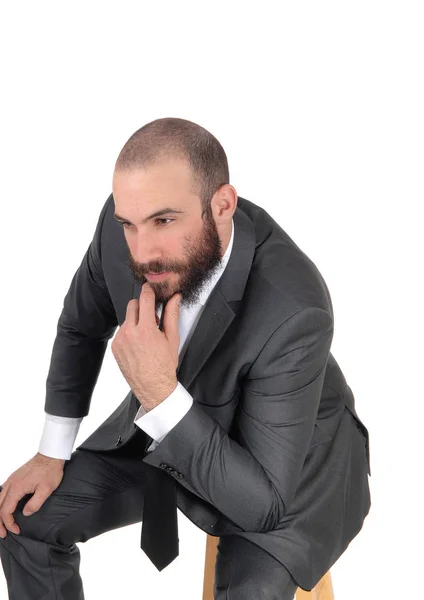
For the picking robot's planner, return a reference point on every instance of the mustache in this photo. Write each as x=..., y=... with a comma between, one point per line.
x=142, y=270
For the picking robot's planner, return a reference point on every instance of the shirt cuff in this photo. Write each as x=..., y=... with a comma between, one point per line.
x=59, y=434
x=159, y=421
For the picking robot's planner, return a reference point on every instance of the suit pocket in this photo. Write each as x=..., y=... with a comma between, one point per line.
x=361, y=427
x=364, y=434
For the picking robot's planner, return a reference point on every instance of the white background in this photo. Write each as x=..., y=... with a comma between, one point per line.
x=319, y=106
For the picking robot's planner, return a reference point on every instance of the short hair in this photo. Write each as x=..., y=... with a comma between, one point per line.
x=174, y=137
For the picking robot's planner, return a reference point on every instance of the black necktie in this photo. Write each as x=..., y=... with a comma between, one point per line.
x=159, y=532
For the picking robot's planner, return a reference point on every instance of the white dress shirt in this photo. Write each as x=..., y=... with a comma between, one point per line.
x=59, y=433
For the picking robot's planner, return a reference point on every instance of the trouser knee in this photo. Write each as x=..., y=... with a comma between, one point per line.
x=35, y=526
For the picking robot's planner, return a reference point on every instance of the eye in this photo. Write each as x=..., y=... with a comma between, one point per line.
x=127, y=225
x=165, y=220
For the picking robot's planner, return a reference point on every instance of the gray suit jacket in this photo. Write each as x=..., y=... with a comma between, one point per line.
x=272, y=449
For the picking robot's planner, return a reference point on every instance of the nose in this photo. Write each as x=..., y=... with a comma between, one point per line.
x=145, y=251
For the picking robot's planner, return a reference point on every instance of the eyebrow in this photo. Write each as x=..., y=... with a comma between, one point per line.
x=158, y=213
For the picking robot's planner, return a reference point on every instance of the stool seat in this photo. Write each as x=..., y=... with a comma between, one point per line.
x=322, y=591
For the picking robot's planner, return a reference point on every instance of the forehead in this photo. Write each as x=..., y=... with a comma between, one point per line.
x=167, y=179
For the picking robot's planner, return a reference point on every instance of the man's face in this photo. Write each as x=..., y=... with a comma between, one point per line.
x=183, y=244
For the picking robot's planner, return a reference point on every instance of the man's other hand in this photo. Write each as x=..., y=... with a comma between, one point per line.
x=40, y=476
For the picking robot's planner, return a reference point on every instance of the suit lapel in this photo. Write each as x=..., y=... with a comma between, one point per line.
x=223, y=302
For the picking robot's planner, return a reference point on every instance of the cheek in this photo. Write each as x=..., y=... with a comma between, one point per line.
x=174, y=251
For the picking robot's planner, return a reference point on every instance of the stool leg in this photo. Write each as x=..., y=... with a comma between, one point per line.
x=210, y=560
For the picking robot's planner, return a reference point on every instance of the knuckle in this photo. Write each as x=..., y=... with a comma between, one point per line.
x=4, y=511
x=42, y=497
x=45, y=490
x=13, y=484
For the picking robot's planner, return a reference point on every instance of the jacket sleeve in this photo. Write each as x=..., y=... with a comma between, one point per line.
x=253, y=480
x=86, y=323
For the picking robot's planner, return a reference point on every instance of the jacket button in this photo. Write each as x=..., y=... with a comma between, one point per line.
x=118, y=441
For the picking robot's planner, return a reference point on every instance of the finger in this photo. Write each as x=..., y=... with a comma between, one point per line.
x=10, y=524
x=170, y=320
x=40, y=496
x=8, y=509
x=147, y=306
x=131, y=315
x=2, y=495
x=3, y=530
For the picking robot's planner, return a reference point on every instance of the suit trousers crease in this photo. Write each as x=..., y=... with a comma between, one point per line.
x=99, y=492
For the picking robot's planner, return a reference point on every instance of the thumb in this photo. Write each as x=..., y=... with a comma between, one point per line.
x=35, y=503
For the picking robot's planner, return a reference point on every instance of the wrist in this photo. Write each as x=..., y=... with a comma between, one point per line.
x=48, y=459
x=156, y=397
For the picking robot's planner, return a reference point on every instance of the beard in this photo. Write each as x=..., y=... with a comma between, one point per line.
x=203, y=254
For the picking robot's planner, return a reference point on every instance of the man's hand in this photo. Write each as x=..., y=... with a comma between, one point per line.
x=39, y=476
x=148, y=357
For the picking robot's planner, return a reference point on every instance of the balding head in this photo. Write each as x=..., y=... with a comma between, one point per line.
x=178, y=138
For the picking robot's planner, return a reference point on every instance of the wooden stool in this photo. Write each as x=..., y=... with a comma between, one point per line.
x=322, y=591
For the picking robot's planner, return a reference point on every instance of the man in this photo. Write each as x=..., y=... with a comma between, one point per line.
x=236, y=406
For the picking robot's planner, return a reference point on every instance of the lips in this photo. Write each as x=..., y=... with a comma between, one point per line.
x=157, y=276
